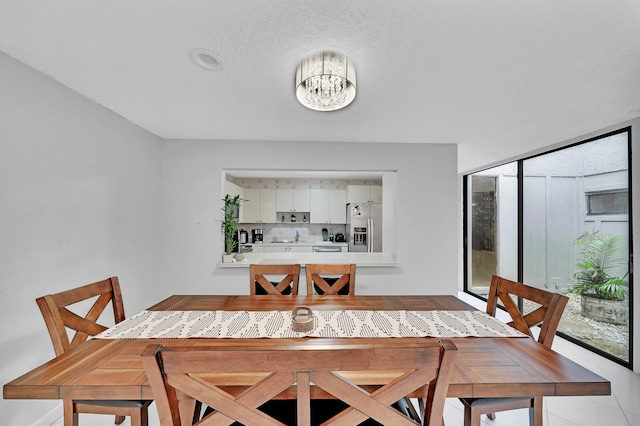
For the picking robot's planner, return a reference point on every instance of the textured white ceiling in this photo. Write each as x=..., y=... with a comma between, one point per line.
x=497, y=77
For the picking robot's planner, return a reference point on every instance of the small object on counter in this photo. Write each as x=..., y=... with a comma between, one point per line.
x=304, y=218
x=293, y=218
x=302, y=319
x=243, y=236
x=283, y=218
x=325, y=234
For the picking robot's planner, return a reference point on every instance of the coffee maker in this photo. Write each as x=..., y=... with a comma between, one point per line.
x=256, y=235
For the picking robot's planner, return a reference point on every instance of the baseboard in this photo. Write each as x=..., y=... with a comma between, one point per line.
x=53, y=417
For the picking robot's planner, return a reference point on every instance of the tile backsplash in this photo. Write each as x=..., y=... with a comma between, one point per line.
x=287, y=231
x=292, y=183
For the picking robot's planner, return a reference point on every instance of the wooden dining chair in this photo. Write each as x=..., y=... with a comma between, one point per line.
x=261, y=279
x=423, y=367
x=331, y=279
x=546, y=312
x=59, y=319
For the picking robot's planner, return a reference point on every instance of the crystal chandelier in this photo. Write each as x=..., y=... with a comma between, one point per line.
x=326, y=81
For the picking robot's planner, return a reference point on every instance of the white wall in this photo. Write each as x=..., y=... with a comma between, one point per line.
x=80, y=201
x=426, y=203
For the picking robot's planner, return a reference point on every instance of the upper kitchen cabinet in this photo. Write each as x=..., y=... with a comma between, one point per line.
x=260, y=206
x=338, y=206
x=328, y=206
x=293, y=200
x=364, y=194
x=268, y=205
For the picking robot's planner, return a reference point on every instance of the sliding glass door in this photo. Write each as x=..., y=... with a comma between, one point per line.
x=571, y=236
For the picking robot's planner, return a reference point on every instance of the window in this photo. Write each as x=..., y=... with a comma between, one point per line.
x=607, y=202
x=560, y=221
x=492, y=225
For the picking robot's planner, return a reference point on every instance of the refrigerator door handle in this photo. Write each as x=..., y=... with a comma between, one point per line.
x=368, y=235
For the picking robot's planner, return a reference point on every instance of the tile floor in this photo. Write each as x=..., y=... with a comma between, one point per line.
x=619, y=409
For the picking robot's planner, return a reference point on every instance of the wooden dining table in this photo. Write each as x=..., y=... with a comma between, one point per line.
x=485, y=367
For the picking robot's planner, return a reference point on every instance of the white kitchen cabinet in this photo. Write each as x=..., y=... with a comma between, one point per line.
x=328, y=205
x=301, y=249
x=319, y=201
x=364, y=194
x=288, y=249
x=358, y=193
x=268, y=206
x=375, y=192
x=293, y=200
x=252, y=206
x=260, y=206
x=301, y=200
x=337, y=206
x=284, y=200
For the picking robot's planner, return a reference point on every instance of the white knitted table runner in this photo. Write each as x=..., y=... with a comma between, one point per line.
x=277, y=324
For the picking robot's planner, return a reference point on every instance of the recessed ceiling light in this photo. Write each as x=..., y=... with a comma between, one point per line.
x=206, y=59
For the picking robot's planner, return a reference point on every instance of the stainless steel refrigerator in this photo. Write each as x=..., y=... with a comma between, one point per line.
x=364, y=227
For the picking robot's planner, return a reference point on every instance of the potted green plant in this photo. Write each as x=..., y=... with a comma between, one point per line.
x=602, y=294
x=230, y=225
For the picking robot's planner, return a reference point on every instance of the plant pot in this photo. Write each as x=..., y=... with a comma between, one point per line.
x=227, y=258
x=603, y=310
x=239, y=257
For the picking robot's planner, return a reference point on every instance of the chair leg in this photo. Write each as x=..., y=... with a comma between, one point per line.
x=471, y=417
x=422, y=407
x=140, y=417
x=119, y=420
x=536, y=412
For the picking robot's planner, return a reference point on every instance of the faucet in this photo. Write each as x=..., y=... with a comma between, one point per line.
x=297, y=236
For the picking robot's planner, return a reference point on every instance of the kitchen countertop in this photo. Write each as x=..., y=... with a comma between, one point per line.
x=360, y=259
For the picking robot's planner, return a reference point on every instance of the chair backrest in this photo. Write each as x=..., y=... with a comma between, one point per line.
x=59, y=318
x=261, y=279
x=343, y=282
x=548, y=313
x=421, y=368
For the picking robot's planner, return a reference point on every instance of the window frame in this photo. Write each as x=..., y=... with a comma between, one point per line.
x=520, y=233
